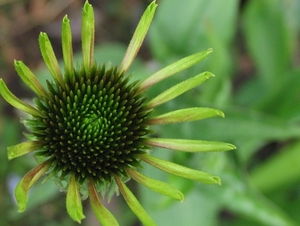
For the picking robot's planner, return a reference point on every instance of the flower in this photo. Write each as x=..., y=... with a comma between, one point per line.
x=89, y=129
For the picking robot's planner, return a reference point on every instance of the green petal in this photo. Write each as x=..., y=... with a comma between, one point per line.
x=74, y=204
x=22, y=189
x=171, y=69
x=49, y=57
x=134, y=204
x=181, y=171
x=103, y=215
x=138, y=36
x=185, y=115
x=28, y=77
x=88, y=35
x=189, y=145
x=16, y=102
x=179, y=89
x=66, y=36
x=23, y=148
x=155, y=185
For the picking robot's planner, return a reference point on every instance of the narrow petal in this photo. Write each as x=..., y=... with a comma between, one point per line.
x=16, y=102
x=181, y=171
x=179, y=89
x=185, y=115
x=134, y=204
x=155, y=185
x=23, y=148
x=49, y=57
x=88, y=35
x=66, y=35
x=22, y=189
x=28, y=77
x=138, y=36
x=189, y=145
x=103, y=215
x=176, y=67
x=74, y=204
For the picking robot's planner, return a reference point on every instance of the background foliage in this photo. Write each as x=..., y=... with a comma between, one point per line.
x=256, y=63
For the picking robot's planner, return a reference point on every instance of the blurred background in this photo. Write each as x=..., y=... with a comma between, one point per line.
x=257, y=85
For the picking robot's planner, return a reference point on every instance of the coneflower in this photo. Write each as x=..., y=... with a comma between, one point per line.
x=90, y=126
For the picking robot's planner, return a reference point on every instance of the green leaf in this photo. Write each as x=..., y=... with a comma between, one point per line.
x=66, y=35
x=74, y=204
x=155, y=185
x=179, y=89
x=134, y=204
x=189, y=145
x=181, y=171
x=185, y=115
x=23, y=148
x=138, y=36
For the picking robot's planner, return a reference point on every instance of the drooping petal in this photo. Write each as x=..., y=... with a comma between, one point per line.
x=66, y=35
x=189, y=145
x=23, y=148
x=28, y=77
x=181, y=171
x=103, y=215
x=138, y=36
x=74, y=204
x=176, y=67
x=16, y=102
x=134, y=204
x=88, y=35
x=22, y=188
x=49, y=57
x=179, y=89
x=185, y=115
x=156, y=185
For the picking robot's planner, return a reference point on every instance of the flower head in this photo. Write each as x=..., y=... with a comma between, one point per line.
x=90, y=126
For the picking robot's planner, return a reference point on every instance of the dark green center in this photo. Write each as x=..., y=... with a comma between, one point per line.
x=95, y=124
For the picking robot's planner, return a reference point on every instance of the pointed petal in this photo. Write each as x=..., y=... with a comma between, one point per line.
x=181, y=171
x=189, y=145
x=103, y=215
x=138, y=36
x=74, y=204
x=66, y=35
x=185, y=115
x=49, y=57
x=156, y=185
x=23, y=148
x=22, y=189
x=28, y=77
x=16, y=102
x=179, y=89
x=134, y=204
x=176, y=67
x=88, y=35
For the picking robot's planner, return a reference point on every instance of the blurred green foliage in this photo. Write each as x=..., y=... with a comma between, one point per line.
x=257, y=82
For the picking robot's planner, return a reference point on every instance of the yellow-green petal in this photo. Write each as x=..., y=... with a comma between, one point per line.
x=88, y=35
x=23, y=148
x=134, y=204
x=28, y=77
x=49, y=57
x=181, y=171
x=73, y=202
x=22, y=188
x=66, y=35
x=185, y=115
x=179, y=89
x=138, y=36
x=173, y=68
x=103, y=215
x=16, y=102
x=189, y=145
x=156, y=185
